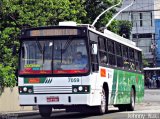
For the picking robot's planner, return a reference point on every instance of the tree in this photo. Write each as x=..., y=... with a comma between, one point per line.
x=124, y=28
x=16, y=15
x=95, y=7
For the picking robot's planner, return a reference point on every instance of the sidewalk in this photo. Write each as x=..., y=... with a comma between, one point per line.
x=14, y=115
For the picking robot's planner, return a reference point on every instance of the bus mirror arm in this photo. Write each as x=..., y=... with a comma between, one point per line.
x=95, y=67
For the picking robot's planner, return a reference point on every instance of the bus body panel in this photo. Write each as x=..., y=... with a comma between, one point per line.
x=61, y=90
x=76, y=99
x=52, y=81
x=120, y=84
x=123, y=82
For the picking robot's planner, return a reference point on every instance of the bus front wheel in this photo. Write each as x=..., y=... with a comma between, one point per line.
x=45, y=111
x=103, y=108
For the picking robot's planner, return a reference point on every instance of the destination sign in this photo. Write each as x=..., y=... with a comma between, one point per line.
x=54, y=32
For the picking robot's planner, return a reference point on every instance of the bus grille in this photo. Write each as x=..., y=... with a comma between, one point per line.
x=52, y=89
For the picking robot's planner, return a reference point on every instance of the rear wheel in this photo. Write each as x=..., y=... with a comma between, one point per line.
x=131, y=106
x=45, y=111
x=122, y=108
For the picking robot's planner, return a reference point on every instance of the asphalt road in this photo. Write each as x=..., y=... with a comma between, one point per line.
x=149, y=109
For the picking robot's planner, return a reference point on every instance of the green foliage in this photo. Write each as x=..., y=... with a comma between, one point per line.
x=7, y=77
x=18, y=14
x=124, y=28
x=95, y=7
x=42, y=12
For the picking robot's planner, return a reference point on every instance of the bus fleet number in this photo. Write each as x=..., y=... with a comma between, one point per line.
x=73, y=79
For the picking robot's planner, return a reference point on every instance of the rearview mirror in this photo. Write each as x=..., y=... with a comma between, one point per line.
x=94, y=49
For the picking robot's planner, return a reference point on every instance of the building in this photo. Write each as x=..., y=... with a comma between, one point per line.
x=145, y=18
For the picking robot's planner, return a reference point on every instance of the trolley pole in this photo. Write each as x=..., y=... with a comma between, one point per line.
x=119, y=13
x=105, y=12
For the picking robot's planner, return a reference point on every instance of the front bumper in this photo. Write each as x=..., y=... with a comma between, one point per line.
x=63, y=99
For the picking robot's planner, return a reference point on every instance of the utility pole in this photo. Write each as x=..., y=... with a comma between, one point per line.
x=153, y=47
x=137, y=35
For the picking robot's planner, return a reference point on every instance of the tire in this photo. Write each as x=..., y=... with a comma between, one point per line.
x=45, y=111
x=122, y=108
x=103, y=108
x=131, y=106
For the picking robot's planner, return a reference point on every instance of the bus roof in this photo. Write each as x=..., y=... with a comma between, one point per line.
x=116, y=38
x=151, y=68
x=107, y=33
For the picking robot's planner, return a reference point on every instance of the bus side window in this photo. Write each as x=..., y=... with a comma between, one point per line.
x=131, y=59
x=119, y=55
x=103, y=58
x=136, y=61
x=125, y=57
x=102, y=51
x=140, y=61
x=111, y=53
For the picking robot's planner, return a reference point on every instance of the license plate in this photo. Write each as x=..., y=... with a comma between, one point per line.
x=53, y=99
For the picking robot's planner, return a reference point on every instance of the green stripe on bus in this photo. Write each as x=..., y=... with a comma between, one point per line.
x=122, y=85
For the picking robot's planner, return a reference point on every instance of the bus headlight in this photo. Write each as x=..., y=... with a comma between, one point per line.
x=25, y=89
x=75, y=90
x=81, y=89
x=29, y=90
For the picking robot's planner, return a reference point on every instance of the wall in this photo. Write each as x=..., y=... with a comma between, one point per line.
x=157, y=37
x=9, y=101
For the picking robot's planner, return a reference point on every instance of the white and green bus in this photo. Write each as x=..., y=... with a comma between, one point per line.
x=108, y=73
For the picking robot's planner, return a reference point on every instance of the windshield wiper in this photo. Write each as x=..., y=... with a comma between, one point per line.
x=41, y=49
x=67, y=44
x=61, y=52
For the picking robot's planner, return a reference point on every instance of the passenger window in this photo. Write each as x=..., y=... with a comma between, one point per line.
x=110, y=46
x=119, y=55
x=131, y=59
x=102, y=44
x=111, y=53
x=125, y=57
x=118, y=49
x=103, y=58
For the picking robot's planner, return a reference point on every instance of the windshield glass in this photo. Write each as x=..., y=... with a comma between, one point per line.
x=36, y=57
x=69, y=56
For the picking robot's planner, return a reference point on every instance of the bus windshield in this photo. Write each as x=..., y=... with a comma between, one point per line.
x=58, y=56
